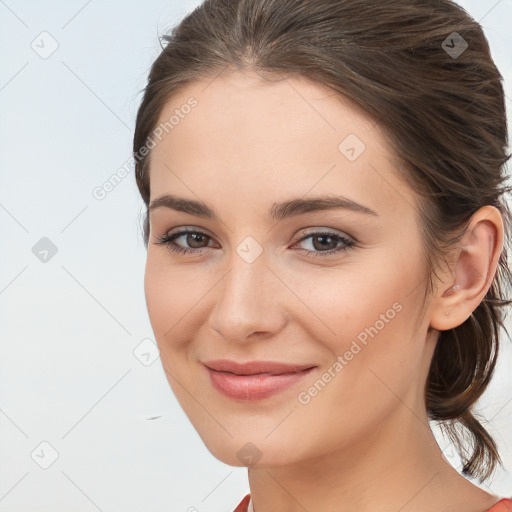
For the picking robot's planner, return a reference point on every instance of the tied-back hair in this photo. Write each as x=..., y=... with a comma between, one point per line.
x=443, y=114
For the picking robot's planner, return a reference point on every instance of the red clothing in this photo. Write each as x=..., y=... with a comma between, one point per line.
x=242, y=506
x=504, y=505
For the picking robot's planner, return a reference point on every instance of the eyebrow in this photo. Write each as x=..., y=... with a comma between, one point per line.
x=278, y=211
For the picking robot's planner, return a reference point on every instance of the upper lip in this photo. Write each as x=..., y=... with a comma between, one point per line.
x=255, y=367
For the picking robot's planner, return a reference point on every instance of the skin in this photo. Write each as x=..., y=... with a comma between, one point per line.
x=363, y=442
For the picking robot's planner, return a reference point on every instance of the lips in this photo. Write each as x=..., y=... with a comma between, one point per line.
x=255, y=367
x=254, y=380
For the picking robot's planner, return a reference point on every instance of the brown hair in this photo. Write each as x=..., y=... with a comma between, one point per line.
x=444, y=114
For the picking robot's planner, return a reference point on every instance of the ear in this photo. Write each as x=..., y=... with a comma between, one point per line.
x=474, y=261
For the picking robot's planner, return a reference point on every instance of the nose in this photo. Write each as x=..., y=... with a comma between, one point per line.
x=249, y=301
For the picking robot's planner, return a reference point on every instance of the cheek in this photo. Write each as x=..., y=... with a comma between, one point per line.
x=173, y=299
x=171, y=294
x=373, y=358
x=365, y=314
x=339, y=304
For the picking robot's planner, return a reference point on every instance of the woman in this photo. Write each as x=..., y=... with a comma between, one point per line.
x=327, y=238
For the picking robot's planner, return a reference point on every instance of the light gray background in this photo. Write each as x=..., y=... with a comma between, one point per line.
x=68, y=374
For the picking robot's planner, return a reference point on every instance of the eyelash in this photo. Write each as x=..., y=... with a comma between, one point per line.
x=168, y=240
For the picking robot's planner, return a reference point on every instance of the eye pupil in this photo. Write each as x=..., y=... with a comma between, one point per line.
x=192, y=239
x=324, y=246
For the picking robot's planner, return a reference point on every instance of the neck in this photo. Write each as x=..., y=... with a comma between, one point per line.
x=398, y=468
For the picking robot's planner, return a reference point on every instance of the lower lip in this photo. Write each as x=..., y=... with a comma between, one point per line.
x=253, y=387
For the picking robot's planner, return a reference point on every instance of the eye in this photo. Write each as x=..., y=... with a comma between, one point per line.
x=321, y=240
x=195, y=238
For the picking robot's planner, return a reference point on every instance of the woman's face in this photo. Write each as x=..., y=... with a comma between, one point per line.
x=275, y=274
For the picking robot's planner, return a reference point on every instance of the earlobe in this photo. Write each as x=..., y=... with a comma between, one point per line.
x=464, y=285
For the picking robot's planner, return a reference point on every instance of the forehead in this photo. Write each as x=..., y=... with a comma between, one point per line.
x=274, y=139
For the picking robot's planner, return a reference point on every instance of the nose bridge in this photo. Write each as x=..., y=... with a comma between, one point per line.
x=248, y=298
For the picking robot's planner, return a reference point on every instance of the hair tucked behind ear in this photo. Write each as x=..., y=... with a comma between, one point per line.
x=443, y=113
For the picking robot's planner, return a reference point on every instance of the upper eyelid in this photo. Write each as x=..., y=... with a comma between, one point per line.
x=186, y=230
x=302, y=233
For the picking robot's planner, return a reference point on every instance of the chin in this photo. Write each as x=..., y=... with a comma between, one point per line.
x=252, y=451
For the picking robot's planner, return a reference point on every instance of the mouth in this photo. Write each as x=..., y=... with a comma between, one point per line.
x=256, y=380
x=256, y=367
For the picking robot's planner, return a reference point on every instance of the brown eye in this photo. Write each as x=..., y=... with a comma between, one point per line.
x=326, y=243
x=194, y=241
